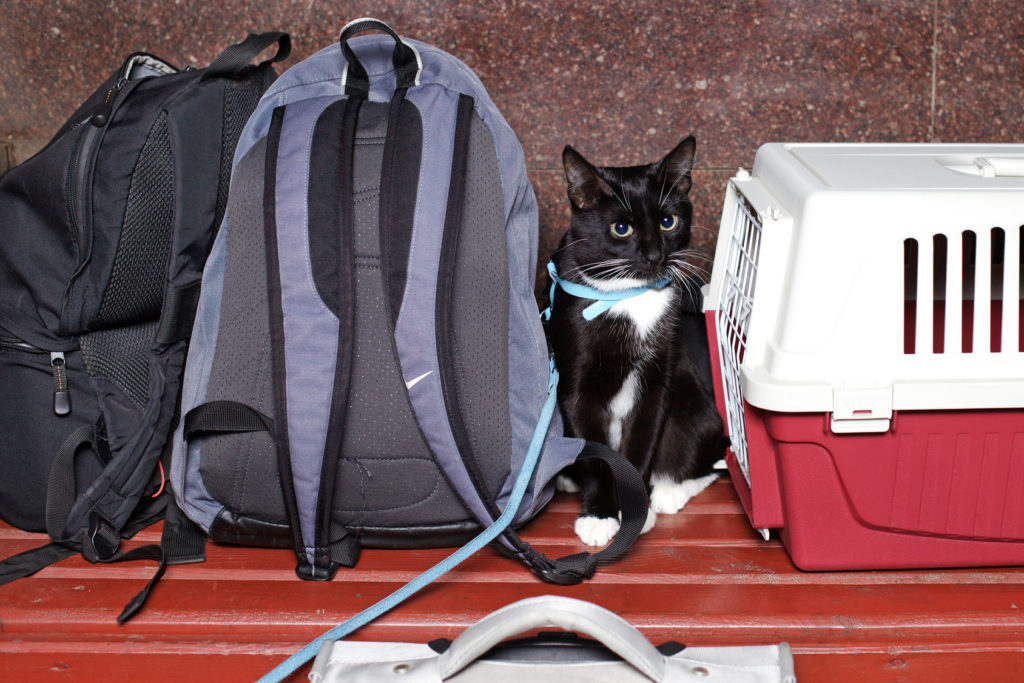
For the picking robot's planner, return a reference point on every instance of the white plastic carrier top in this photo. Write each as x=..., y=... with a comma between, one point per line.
x=861, y=279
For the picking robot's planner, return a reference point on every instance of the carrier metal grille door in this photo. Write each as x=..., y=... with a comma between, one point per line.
x=733, y=318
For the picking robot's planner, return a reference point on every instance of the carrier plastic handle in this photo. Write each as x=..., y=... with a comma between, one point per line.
x=354, y=80
x=573, y=615
x=993, y=167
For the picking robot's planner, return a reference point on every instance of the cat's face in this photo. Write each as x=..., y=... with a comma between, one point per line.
x=630, y=226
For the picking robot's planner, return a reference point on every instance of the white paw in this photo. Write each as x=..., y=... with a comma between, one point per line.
x=669, y=497
x=564, y=483
x=596, y=530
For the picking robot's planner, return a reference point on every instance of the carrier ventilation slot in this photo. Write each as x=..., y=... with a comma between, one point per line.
x=964, y=293
x=733, y=319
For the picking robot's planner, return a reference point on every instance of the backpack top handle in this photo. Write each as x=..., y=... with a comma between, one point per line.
x=355, y=82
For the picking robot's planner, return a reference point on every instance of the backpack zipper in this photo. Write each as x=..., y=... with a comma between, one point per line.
x=61, y=388
x=77, y=176
x=91, y=129
x=58, y=365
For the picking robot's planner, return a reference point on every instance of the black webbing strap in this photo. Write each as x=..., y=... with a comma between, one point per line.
x=183, y=540
x=633, y=504
x=143, y=552
x=404, y=59
x=29, y=562
x=221, y=417
x=59, y=499
x=236, y=58
x=60, y=491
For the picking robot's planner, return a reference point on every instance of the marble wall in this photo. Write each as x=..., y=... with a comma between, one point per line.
x=621, y=81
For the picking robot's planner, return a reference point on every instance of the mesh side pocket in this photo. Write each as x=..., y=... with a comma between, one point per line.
x=135, y=290
x=121, y=356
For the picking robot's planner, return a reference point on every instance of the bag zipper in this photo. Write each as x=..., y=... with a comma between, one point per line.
x=91, y=129
x=61, y=388
x=58, y=364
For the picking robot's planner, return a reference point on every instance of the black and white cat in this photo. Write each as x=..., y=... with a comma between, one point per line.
x=627, y=379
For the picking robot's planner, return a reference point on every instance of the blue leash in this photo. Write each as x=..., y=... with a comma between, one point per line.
x=499, y=525
x=602, y=300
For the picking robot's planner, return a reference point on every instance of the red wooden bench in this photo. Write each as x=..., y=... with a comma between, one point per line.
x=701, y=577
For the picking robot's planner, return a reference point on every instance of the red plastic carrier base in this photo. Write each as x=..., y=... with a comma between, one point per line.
x=939, y=489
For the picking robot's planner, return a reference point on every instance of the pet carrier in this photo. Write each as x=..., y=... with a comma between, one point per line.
x=865, y=308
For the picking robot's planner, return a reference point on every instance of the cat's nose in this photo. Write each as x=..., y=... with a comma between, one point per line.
x=653, y=256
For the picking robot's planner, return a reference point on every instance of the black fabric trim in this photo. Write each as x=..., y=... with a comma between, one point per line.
x=403, y=149
x=325, y=201
x=178, y=313
x=344, y=294
x=277, y=332
x=452, y=534
x=443, y=307
x=229, y=527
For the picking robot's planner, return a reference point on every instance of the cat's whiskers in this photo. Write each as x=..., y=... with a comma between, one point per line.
x=689, y=268
x=669, y=207
x=679, y=274
x=628, y=204
x=596, y=268
x=664, y=196
x=687, y=256
x=566, y=246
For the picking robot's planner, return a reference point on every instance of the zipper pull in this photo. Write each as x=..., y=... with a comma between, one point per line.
x=99, y=119
x=61, y=393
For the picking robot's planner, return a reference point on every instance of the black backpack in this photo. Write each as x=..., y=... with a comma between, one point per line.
x=103, y=238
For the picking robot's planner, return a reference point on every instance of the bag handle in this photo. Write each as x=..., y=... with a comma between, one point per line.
x=355, y=82
x=236, y=58
x=582, y=617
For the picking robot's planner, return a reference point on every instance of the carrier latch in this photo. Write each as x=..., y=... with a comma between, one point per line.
x=861, y=411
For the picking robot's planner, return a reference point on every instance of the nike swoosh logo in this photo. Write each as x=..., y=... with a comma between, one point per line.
x=413, y=382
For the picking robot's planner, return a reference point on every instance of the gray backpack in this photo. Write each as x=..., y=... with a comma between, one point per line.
x=367, y=366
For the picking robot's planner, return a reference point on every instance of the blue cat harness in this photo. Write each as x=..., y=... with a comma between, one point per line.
x=602, y=300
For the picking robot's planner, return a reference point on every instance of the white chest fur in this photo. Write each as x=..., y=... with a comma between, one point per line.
x=645, y=310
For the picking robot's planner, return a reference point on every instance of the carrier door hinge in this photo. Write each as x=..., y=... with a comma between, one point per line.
x=861, y=411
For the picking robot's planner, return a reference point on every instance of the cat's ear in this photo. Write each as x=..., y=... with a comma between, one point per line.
x=676, y=166
x=585, y=186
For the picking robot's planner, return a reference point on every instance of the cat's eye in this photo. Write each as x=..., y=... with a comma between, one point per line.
x=621, y=229
x=670, y=222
